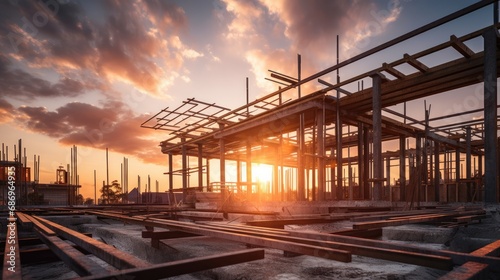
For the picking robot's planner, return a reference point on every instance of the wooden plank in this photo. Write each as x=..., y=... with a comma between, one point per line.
x=176, y=268
x=24, y=220
x=457, y=258
x=108, y=253
x=413, y=219
x=415, y=63
x=73, y=258
x=469, y=270
x=252, y=236
x=461, y=47
x=392, y=255
x=40, y=255
x=492, y=249
x=363, y=233
x=304, y=249
x=40, y=226
x=11, y=258
x=167, y=234
x=279, y=224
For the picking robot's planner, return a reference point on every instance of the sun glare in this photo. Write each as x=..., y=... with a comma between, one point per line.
x=262, y=173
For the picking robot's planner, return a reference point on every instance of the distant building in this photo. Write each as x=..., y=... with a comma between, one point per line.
x=21, y=181
x=29, y=192
x=153, y=197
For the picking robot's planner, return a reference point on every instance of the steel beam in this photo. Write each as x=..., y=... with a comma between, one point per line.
x=73, y=258
x=321, y=154
x=377, y=137
x=108, y=253
x=176, y=268
x=240, y=236
x=490, y=116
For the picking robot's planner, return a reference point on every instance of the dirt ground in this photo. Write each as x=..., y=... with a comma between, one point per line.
x=276, y=266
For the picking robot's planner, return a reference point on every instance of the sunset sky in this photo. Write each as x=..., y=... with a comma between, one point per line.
x=88, y=73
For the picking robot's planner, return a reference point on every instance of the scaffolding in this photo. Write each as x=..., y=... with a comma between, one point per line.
x=328, y=144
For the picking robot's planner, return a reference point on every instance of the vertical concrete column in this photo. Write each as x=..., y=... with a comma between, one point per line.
x=457, y=172
x=200, y=165
x=301, y=182
x=387, y=177
x=321, y=155
x=184, y=170
x=468, y=161
x=366, y=162
x=170, y=172
x=490, y=116
x=208, y=174
x=402, y=168
x=437, y=174
x=275, y=184
x=338, y=137
x=249, y=167
x=238, y=174
x=377, y=136
x=222, y=166
x=418, y=166
x=360, y=162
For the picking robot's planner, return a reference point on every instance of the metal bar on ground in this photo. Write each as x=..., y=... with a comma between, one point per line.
x=175, y=268
x=109, y=254
x=11, y=258
x=73, y=258
x=304, y=249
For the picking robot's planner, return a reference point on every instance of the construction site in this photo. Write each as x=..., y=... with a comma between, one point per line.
x=325, y=178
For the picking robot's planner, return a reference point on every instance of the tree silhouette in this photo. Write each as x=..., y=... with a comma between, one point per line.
x=111, y=194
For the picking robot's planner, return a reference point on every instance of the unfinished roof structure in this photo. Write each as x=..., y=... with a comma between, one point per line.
x=326, y=144
x=329, y=147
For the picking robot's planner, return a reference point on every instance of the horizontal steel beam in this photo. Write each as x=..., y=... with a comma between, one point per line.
x=108, y=253
x=73, y=258
x=176, y=268
x=213, y=231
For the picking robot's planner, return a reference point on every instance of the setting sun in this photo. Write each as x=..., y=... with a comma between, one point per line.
x=262, y=173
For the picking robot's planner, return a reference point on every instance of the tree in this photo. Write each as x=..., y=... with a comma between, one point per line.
x=88, y=201
x=111, y=194
x=79, y=199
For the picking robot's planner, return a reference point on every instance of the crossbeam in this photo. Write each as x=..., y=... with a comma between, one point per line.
x=108, y=253
x=175, y=268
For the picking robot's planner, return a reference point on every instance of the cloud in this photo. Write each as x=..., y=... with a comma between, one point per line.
x=111, y=125
x=16, y=83
x=306, y=27
x=7, y=111
x=134, y=42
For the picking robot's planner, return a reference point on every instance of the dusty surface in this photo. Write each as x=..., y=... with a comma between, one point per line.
x=276, y=266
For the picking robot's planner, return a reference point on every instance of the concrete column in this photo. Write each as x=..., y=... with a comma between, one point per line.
x=170, y=172
x=208, y=173
x=402, y=168
x=249, y=167
x=418, y=166
x=338, y=137
x=457, y=173
x=366, y=162
x=238, y=174
x=360, y=161
x=490, y=116
x=200, y=165
x=468, y=161
x=184, y=170
x=321, y=154
x=301, y=182
x=222, y=167
x=387, y=177
x=437, y=173
x=377, y=136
